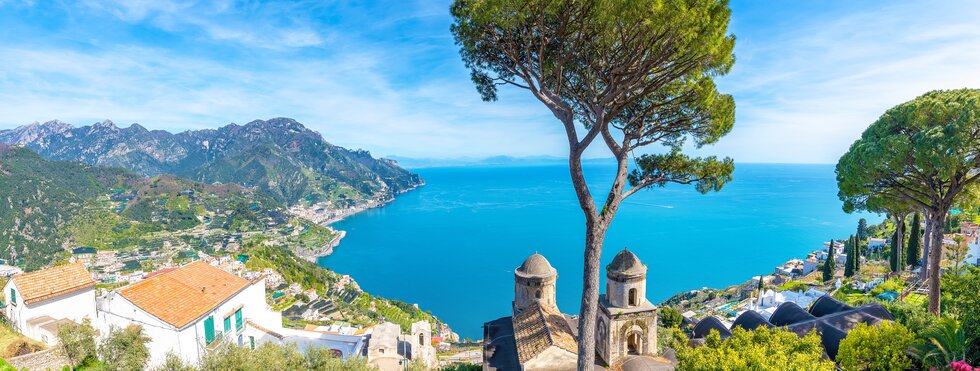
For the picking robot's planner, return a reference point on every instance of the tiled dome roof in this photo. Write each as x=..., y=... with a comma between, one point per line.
x=536, y=266
x=626, y=263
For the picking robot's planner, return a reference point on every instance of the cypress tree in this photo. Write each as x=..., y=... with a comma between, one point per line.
x=829, y=266
x=914, y=251
x=862, y=232
x=857, y=255
x=849, y=262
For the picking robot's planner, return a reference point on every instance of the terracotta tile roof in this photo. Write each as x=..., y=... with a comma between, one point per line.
x=539, y=327
x=52, y=282
x=185, y=294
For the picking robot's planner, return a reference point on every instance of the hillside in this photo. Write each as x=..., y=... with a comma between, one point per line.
x=51, y=206
x=278, y=157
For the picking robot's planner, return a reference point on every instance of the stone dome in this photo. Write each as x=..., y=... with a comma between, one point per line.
x=626, y=263
x=536, y=266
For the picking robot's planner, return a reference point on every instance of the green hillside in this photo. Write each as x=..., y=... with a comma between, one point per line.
x=53, y=206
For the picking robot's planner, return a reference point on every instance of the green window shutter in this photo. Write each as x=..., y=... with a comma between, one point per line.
x=251, y=340
x=239, y=324
x=13, y=296
x=209, y=329
x=227, y=327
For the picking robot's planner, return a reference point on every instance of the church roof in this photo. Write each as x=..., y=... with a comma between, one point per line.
x=829, y=317
x=536, y=266
x=627, y=263
x=540, y=327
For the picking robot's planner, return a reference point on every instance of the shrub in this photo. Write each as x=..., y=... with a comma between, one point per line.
x=761, y=349
x=125, y=349
x=945, y=343
x=670, y=338
x=670, y=317
x=76, y=341
x=881, y=347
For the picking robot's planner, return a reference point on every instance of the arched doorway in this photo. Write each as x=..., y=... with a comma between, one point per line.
x=633, y=343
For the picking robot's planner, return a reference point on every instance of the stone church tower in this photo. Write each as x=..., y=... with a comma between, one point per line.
x=534, y=283
x=627, y=321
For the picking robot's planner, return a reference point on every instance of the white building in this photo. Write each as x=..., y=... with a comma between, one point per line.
x=189, y=311
x=389, y=350
x=37, y=303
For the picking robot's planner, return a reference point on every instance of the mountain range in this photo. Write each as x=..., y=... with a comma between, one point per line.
x=279, y=157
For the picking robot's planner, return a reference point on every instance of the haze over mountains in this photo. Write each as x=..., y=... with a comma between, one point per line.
x=278, y=157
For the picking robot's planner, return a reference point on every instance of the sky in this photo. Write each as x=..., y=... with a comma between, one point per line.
x=386, y=76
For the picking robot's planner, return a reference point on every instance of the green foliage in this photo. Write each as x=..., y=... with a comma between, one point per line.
x=125, y=349
x=670, y=317
x=892, y=284
x=862, y=230
x=173, y=362
x=830, y=265
x=945, y=343
x=913, y=316
x=960, y=298
x=914, y=251
x=881, y=347
x=760, y=349
x=670, y=338
x=459, y=367
x=270, y=356
x=76, y=341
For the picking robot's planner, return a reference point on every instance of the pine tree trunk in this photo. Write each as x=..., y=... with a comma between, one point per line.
x=935, y=256
x=926, y=241
x=590, y=297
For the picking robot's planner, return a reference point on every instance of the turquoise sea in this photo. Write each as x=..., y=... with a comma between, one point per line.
x=452, y=245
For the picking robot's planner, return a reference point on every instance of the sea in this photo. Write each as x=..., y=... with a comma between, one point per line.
x=452, y=245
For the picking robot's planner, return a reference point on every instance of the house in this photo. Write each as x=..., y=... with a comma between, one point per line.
x=876, y=244
x=37, y=303
x=189, y=311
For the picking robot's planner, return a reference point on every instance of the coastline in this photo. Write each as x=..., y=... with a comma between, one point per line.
x=323, y=216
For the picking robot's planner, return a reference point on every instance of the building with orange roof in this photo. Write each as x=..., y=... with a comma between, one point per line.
x=190, y=310
x=39, y=302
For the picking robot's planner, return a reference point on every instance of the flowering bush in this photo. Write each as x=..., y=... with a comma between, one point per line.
x=961, y=366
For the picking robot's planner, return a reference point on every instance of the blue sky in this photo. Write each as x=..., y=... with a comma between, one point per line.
x=386, y=76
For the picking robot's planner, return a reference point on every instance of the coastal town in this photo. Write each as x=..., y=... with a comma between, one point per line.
x=489, y=185
x=256, y=306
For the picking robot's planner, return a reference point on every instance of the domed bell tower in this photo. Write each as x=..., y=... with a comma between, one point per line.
x=626, y=281
x=534, y=283
x=627, y=322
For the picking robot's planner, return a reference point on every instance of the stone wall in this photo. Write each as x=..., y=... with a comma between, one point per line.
x=44, y=360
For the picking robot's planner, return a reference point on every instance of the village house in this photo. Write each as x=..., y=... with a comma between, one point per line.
x=37, y=303
x=188, y=311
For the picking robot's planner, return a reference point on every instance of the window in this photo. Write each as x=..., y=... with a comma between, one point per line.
x=537, y=294
x=632, y=298
x=239, y=322
x=421, y=339
x=227, y=324
x=13, y=296
x=251, y=341
x=209, y=330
